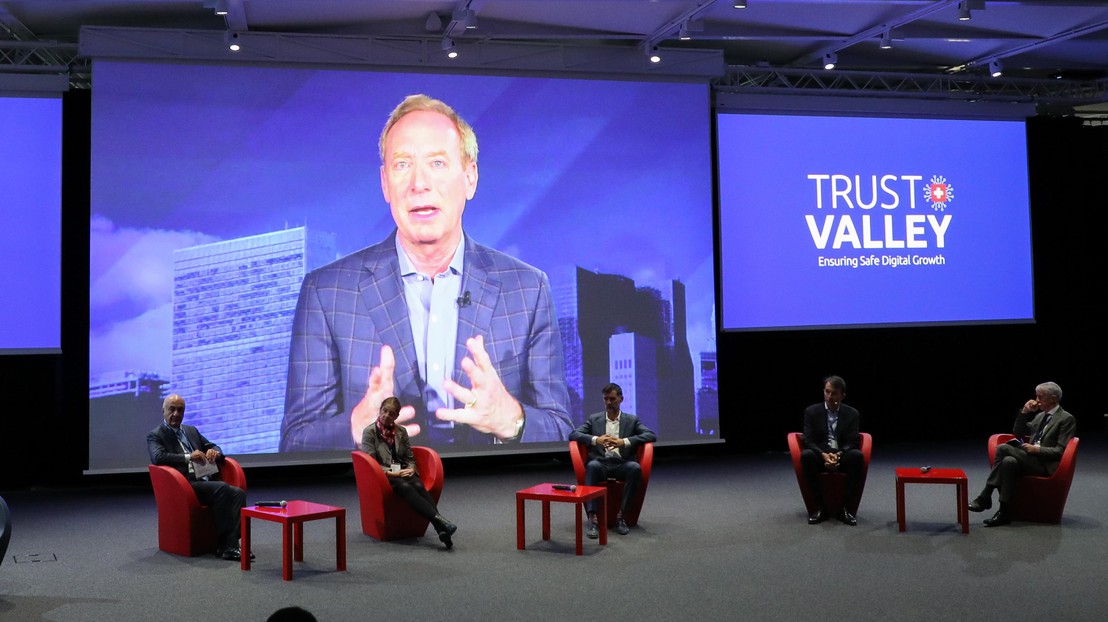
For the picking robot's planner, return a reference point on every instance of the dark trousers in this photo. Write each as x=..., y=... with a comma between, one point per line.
x=850, y=465
x=1008, y=464
x=411, y=490
x=600, y=470
x=226, y=502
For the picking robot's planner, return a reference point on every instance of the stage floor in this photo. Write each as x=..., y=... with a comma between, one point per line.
x=720, y=538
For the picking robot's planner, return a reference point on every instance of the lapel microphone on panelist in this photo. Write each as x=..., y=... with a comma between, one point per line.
x=463, y=301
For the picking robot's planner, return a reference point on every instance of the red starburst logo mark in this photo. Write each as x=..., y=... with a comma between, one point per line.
x=938, y=192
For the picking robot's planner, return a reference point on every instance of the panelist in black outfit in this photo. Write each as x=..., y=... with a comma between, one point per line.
x=1042, y=429
x=832, y=441
x=179, y=446
x=613, y=437
x=388, y=444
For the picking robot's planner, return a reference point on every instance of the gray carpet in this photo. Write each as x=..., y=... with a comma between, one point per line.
x=720, y=538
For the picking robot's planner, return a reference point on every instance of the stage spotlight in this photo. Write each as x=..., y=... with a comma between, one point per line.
x=448, y=47
x=829, y=60
x=466, y=17
x=231, y=38
x=683, y=32
x=220, y=7
x=964, y=14
x=886, y=40
x=996, y=68
x=739, y=4
x=653, y=55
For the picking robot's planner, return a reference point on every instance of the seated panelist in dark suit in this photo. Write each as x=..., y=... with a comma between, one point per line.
x=613, y=437
x=464, y=335
x=179, y=446
x=832, y=442
x=1045, y=429
x=388, y=443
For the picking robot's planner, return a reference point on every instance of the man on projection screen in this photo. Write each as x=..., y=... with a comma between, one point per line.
x=465, y=336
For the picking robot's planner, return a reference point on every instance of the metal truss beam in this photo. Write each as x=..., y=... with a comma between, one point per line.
x=44, y=58
x=963, y=87
x=396, y=52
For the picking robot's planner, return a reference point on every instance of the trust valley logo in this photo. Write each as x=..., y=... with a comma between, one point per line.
x=938, y=192
x=878, y=211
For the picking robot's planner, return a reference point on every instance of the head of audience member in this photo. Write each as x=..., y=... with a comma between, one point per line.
x=173, y=410
x=390, y=410
x=613, y=397
x=834, y=390
x=1048, y=394
x=428, y=172
x=291, y=614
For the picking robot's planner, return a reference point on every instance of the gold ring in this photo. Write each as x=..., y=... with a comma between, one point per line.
x=470, y=405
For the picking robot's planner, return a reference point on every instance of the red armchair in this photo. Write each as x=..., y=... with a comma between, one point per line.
x=384, y=515
x=1041, y=499
x=833, y=483
x=184, y=526
x=6, y=526
x=579, y=455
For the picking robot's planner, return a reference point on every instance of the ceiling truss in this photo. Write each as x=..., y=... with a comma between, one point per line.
x=22, y=53
x=962, y=87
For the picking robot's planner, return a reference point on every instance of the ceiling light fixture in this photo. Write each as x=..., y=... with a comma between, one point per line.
x=220, y=7
x=448, y=47
x=466, y=17
x=739, y=4
x=829, y=60
x=653, y=55
x=231, y=38
x=886, y=40
x=964, y=14
x=683, y=32
x=995, y=68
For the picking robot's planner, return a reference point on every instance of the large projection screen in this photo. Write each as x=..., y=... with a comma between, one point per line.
x=215, y=189
x=836, y=221
x=31, y=238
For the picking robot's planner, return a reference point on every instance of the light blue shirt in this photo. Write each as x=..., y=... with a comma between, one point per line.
x=433, y=315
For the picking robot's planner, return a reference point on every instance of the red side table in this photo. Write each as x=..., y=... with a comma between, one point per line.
x=547, y=494
x=294, y=515
x=934, y=476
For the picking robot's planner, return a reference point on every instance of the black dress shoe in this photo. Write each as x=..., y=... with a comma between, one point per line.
x=980, y=505
x=847, y=518
x=816, y=517
x=232, y=553
x=445, y=529
x=998, y=519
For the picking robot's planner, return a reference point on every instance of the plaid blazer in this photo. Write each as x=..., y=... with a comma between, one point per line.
x=349, y=308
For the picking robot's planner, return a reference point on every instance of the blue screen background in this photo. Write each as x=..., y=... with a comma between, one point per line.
x=769, y=261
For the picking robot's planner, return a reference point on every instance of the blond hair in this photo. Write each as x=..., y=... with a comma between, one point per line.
x=420, y=102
